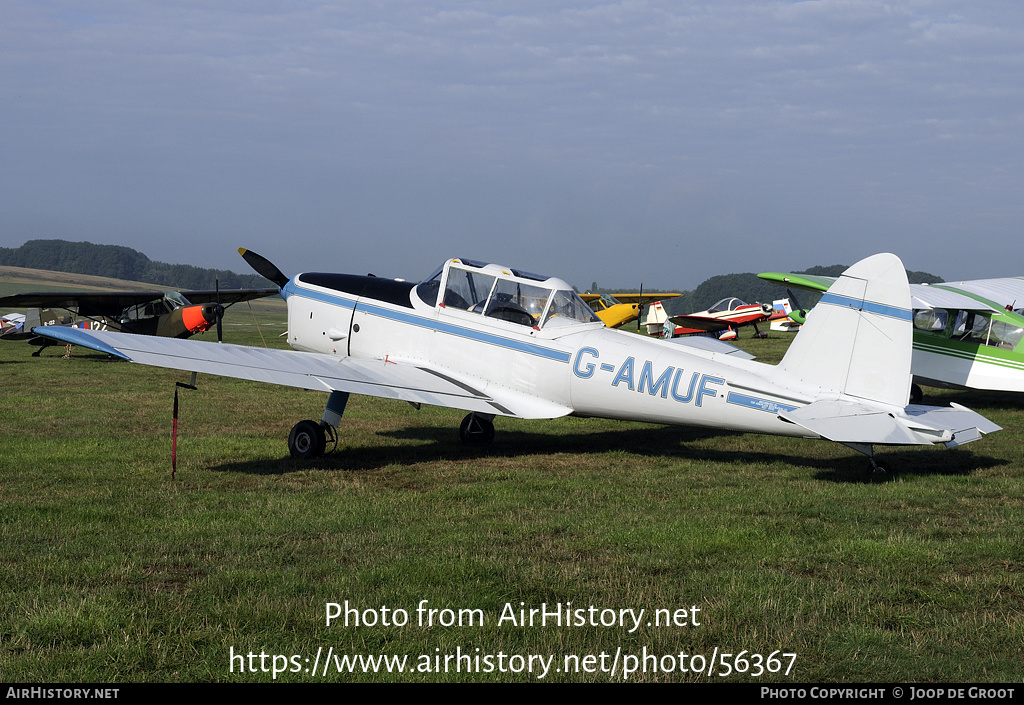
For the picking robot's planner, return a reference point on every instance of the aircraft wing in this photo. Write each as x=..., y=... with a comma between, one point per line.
x=713, y=325
x=112, y=303
x=937, y=296
x=228, y=296
x=630, y=298
x=416, y=383
x=921, y=295
x=87, y=303
x=641, y=298
x=807, y=282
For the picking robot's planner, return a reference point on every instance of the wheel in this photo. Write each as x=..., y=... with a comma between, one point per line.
x=307, y=440
x=916, y=395
x=476, y=430
x=880, y=472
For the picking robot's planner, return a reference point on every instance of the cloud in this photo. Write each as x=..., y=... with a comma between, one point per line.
x=417, y=131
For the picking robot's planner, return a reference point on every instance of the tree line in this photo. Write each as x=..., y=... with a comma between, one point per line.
x=748, y=287
x=120, y=262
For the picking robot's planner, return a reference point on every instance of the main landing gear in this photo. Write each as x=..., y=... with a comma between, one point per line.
x=477, y=429
x=309, y=439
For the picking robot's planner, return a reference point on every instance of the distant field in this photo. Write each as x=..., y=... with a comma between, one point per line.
x=113, y=572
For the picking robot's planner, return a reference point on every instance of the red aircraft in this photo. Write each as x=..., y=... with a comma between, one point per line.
x=722, y=318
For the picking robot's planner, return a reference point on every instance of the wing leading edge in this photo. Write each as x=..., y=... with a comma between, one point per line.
x=416, y=383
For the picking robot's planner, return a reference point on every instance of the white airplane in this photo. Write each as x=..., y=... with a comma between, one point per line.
x=497, y=341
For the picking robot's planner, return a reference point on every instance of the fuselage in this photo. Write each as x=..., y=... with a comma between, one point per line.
x=523, y=343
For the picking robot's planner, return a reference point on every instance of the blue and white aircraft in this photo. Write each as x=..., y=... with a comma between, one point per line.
x=498, y=341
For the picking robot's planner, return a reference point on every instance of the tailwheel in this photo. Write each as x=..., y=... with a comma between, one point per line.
x=307, y=440
x=476, y=429
x=879, y=472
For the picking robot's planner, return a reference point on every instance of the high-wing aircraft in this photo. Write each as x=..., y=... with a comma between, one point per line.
x=171, y=314
x=616, y=310
x=724, y=318
x=966, y=334
x=493, y=340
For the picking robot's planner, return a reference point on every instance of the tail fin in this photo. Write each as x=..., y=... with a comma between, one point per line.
x=656, y=318
x=858, y=340
x=32, y=319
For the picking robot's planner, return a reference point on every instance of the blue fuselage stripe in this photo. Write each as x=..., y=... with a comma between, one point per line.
x=760, y=404
x=904, y=314
x=429, y=323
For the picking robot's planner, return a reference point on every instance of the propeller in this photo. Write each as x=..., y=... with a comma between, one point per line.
x=797, y=308
x=211, y=314
x=219, y=312
x=263, y=267
x=639, y=307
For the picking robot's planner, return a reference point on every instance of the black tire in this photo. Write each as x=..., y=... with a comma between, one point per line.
x=307, y=440
x=916, y=395
x=880, y=472
x=476, y=430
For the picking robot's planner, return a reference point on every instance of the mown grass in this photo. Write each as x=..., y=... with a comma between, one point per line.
x=112, y=571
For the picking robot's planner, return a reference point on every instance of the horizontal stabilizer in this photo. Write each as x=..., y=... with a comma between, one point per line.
x=850, y=422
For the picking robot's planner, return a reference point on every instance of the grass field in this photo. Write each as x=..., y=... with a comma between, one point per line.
x=112, y=571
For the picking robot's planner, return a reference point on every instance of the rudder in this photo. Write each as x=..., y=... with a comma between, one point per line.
x=858, y=340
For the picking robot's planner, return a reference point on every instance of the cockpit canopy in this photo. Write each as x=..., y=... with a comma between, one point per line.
x=505, y=294
x=729, y=304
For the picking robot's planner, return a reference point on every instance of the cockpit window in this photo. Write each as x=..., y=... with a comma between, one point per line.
x=1005, y=335
x=981, y=329
x=176, y=300
x=930, y=319
x=517, y=302
x=467, y=290
x=566, y=307
x=427, y=289
x=146, y=310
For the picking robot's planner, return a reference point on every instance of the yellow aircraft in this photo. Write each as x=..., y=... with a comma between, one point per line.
x=617, y=309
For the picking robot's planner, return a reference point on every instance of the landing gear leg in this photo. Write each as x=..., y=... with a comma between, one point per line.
x=477, y=429
x=308, y=439
x=877, y=472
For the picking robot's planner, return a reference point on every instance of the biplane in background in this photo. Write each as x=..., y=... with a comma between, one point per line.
x=616, y=310
x=967, y=335
x=170, y=314
x=493, y=341
x=723, y=319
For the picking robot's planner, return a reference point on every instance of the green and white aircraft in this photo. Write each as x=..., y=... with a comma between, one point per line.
x=967, y=335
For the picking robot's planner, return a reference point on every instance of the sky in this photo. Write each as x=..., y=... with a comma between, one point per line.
x=608, y=142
